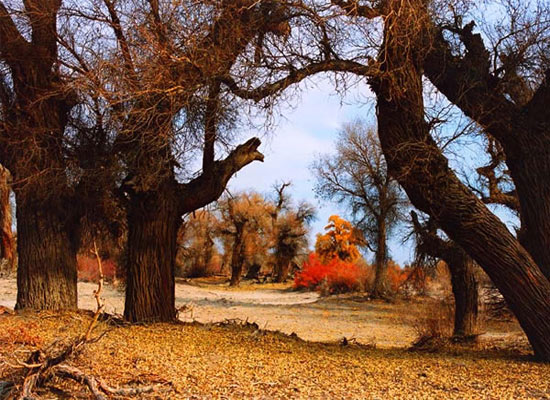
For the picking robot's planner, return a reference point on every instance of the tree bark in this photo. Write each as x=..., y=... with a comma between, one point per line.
x=417, y=163
x=380, y=288
x=47, y=246
x=153, y=222
x=465, y=291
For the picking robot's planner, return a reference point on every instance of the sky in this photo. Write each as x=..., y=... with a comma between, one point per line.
x=301, y=132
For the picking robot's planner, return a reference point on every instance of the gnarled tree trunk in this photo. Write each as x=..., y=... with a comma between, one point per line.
x=47, y=246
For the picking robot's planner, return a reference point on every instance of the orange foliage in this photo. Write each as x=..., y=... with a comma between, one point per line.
x=340, y=241
x=337, y=276
x=21, y=334
x=396, y=276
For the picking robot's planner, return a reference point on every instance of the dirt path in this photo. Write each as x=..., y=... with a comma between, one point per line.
x=306, y=314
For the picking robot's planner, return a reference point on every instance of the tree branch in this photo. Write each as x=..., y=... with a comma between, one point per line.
x=467, y=82
x=353, y=8
x=13, y=45
x=209, y=186
x=296, y=76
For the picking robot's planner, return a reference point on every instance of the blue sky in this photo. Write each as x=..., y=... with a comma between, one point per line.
x=303, y=130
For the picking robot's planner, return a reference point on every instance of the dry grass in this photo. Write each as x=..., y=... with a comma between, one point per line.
x=232, y=362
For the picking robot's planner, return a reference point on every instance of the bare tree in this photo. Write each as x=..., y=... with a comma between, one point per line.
x=243, y=221
x=357, y=176
x=167, y=101
x=289, y=230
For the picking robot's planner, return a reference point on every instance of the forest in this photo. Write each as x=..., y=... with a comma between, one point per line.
x=131, y=267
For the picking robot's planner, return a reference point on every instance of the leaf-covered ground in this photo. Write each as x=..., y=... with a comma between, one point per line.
x=234, y=362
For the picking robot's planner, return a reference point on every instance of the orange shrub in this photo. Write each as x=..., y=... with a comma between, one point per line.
x=336, y=276
x=396, y=276
x=88, y=272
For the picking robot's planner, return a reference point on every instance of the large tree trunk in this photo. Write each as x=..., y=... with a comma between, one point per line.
x=380, y=288
x=530, y=172
x=153, y=221
x=47, y=246
x=417, y=163
x=465, y=291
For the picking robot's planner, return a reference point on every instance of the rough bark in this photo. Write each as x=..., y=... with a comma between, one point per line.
x=465, y=292
x=417, y=163
x=47, y=246
x=153, y=222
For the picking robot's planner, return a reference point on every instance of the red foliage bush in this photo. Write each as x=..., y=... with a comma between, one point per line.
x=335, y=276
x=88, y=272
x=396, y=276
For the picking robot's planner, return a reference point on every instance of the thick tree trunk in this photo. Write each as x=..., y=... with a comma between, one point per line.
x=237, y=259
x=417, y=163
x=47, y=272
x=153, y=221
x=465, y=291
x=530, y=172
x=380, y=288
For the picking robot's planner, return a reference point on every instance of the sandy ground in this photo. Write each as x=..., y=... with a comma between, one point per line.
x=304, y=313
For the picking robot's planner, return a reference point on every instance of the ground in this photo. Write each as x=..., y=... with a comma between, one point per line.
x=235, y=360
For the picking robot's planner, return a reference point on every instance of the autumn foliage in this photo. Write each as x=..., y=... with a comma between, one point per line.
x=336, y=276
x=340, y=241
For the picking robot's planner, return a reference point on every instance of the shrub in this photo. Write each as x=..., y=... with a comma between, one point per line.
x=335, y=276
x=396, y=276
x=88, y=272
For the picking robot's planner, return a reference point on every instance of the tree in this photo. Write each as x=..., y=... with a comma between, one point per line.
x=462, y=268
x=289, y=231
x=242, y=220
x=340, y=241
x=36, y=101
x=357, y=175
x=196, y=243
x=167, y=101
